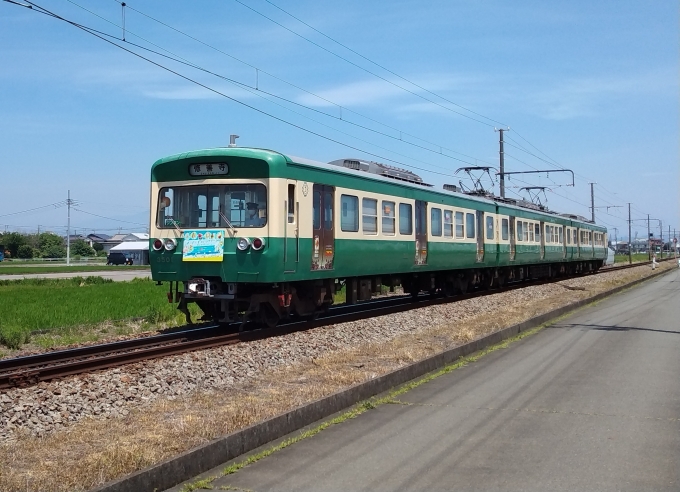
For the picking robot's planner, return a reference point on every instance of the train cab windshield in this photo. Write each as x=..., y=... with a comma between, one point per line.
x=196, y=207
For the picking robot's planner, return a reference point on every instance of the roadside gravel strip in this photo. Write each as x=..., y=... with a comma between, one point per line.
x=86, y=430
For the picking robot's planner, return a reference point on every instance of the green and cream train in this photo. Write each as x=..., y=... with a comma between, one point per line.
x=256, y=234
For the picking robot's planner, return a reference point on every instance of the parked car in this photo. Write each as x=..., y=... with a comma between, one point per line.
x=118, y=259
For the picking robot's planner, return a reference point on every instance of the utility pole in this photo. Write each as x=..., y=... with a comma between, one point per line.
x=616, y=238
x=630, y=243
x=501, y=153
x=68, y=230
x=592, y=202
x=649, y=240
x=661, y=236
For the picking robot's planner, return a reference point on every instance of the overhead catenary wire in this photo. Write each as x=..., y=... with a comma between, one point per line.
x=260, y=70
x=363, y=68
x=189, y=79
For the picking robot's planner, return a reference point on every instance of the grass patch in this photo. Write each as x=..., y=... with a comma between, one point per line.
x=28, y=269
x=637, y=257
x=64, y=311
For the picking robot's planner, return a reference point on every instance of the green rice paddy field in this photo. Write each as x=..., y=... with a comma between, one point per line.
x=34, y=309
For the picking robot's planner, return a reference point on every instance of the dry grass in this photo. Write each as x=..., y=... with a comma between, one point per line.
x=95, y=451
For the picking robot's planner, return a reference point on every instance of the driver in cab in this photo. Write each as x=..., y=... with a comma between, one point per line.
x=253, y=218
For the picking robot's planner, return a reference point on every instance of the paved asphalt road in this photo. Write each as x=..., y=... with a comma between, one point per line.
x=116, y=275
x=589, y=404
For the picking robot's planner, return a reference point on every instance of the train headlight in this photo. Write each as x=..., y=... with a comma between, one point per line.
x=243, y=243
x=170, y=244
x=158, y=245
x=258, y=243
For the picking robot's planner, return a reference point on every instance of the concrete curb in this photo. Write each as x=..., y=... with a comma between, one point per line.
x=205, y=457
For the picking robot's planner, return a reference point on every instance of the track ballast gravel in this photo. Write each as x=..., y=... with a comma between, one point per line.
x=48, y=407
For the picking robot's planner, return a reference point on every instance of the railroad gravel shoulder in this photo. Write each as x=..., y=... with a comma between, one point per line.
x=85, y=430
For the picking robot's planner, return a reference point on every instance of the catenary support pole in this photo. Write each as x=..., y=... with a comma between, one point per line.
x=68, y=230
x=630, y=243
x=501, y=154
x=592, y=202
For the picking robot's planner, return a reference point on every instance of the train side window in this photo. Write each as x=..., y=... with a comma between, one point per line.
x=369, y=215
x=520, y=230
x=560, y=232
x=489, y=227
x=460, y=227
x=328, y=211
x=349, y=221
x=388, y=218
x=405, y=219
x=548, y=234
x=436, y=219
x=316, y=213
x=470, y=225
x=536, y=233
x=291, y=203
x=527, y=236
x=505, y=229
x=448, y=223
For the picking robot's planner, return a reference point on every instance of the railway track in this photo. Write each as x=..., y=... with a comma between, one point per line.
x=30, y=370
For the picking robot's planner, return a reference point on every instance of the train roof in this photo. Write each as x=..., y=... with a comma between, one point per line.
x=365, y=170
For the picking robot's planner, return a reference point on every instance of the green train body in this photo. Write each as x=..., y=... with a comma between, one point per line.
x=305, y=228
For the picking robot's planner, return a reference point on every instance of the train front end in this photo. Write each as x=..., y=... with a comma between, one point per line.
x=211, y=239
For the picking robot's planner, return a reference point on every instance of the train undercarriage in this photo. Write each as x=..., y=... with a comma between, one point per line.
x=267, y=304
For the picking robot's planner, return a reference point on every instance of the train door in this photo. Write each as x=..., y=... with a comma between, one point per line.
x=480, y=236
x=323, y=228
x=291, y=229
x=513, y=239
x=421, y=232
x=578, y=242
x=541, y=230
x=563, y=241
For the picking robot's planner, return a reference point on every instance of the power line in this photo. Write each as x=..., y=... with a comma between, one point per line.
x=375, y=63
x=282, y=120
x=55, y=205
x=290, y=84
x=109, y=218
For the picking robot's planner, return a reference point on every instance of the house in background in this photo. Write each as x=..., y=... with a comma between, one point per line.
x=134, y=245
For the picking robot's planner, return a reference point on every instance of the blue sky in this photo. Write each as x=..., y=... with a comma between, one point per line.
x=590, y=86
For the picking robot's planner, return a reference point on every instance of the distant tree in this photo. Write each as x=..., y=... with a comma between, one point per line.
x=25, y=251
x=97, y=247
x=12, y=241
x=51, y=245
x=79, y=247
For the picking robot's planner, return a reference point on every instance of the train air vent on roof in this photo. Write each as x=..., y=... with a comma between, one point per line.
x=449, y=187
x=380, y=169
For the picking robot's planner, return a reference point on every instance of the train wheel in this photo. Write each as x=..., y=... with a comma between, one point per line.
x=267, y=315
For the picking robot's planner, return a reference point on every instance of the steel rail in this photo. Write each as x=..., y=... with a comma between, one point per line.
x=30, y=370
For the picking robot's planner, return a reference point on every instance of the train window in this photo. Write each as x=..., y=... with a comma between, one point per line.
x=388, y=218
x=436, y=219
x=349, y=220
x=520, y=230
x=560, y=233
x=460, y=228
x=316, y=213
x=568, y=236
x=536, y=233
x=405, y=219
x=504, y=229
x=548, y=234
x=470, y=225
x=328, y=211
x=212, y=206
x=489, y=227
x=291, y=203
x=369, y=215
x=528, y=234
x=448, y=223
